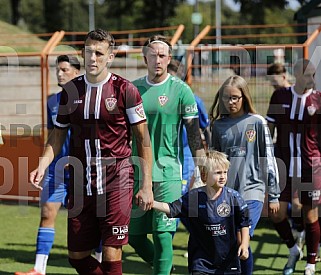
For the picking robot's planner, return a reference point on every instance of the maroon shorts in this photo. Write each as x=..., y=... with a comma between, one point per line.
x=307, y=188
x=101, y=217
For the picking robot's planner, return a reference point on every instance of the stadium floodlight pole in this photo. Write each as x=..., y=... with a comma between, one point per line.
x=91, y=12
x=196, y=25
x=218, y=22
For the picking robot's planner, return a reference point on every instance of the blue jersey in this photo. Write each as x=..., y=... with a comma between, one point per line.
x=52, y=111
x=212, y=245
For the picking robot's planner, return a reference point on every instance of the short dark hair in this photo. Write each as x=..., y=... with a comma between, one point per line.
x=173, y=65
x=101, y=35
x=71, y=59
x=276, y=69
x=155, y=38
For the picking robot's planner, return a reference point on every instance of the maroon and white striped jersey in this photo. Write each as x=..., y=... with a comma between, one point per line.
x=100, y=116
x=298, y=121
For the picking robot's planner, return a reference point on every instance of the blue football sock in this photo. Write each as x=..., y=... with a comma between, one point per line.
x=99, y=248
x=45, y=240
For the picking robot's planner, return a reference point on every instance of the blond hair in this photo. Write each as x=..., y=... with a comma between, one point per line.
x=213, y=160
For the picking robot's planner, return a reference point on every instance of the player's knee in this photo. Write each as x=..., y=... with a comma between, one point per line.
x=277, y=217
x=86, y=266
x=48, y=214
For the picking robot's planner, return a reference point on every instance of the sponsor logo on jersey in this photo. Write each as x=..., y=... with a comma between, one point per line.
x=162, y=100
x=191, y=108
x=250, y=135
x=237, y=151
x=114, y=77
x=120, y=237
x=77, y=101
x=140, y=111
x=110, y=103
x=120, y=230
x=315, y=195
x=216, y=229
x=311, y=110
x=169, y=221
x=223, y=210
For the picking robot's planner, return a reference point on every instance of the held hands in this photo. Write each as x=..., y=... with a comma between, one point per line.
x=243, y=252
x=144, y=199
x=36, y=177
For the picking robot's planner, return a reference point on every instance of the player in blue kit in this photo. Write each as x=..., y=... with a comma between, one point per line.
x=55, y=185
x=217, y=215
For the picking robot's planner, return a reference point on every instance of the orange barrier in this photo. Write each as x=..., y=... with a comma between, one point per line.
x=21, y=151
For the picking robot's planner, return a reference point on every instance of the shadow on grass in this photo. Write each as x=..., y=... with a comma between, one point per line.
x=132, y=264
x=28, y=257
x=269, y=252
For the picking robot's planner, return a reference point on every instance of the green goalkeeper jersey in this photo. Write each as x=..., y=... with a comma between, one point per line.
x=166, y=105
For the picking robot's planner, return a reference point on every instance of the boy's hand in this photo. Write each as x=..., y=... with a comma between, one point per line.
x=243, y=252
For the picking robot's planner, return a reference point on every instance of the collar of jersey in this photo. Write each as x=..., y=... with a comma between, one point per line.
x=301, y=95
x=99, y=83
x=157, y=84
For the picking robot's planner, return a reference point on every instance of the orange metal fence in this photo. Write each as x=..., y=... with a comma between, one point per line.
x=26, y=79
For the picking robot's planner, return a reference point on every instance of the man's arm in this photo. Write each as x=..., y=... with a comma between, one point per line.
x=144, y=198
x=52, y=148
x=194, y=138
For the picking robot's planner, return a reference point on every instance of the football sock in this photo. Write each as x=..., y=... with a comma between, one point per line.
x=247, y=265
x=45, y=239
x=99, y=256
x=294, y=250
x=312, y=238
x=143, y=246
x=112, y=268
x=87, y=266
x=163, y=252
x=98, y=253
x=285, y=232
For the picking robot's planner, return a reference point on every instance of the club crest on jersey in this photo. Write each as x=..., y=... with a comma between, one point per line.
x=223, y=210
x=311, y=110
x=110, y=103
x=140, y=111
x=250, y=135
x=162, y=100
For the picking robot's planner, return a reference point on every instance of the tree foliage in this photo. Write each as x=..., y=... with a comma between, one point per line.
x=155, y=13
x=69, y=15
